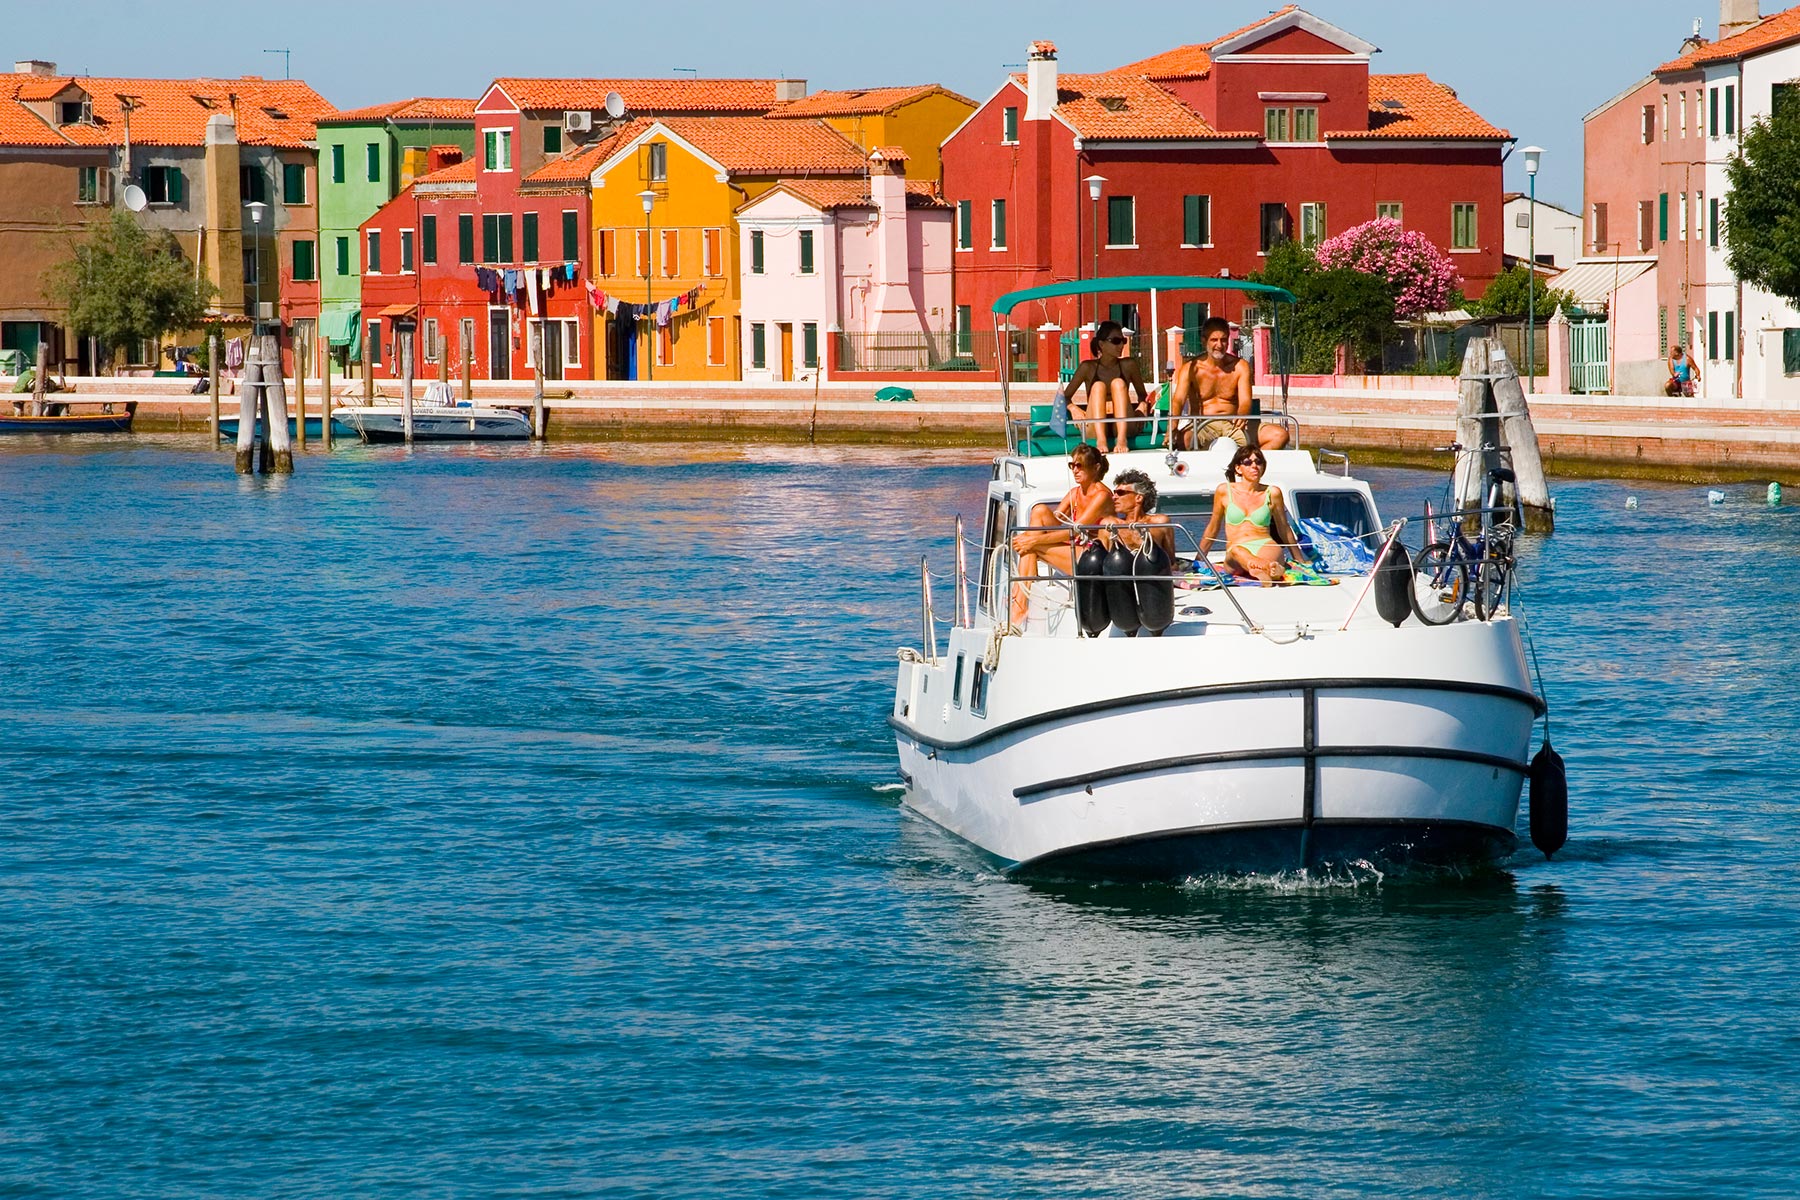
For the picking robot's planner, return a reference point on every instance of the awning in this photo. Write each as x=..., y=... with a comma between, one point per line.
x=339, y=325
x=1592, y=281
x=401, y=312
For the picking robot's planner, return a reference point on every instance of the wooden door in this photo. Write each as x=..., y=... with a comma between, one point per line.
x=499, y=344
x=787, y=352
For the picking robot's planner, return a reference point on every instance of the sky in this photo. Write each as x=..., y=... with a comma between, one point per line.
x=1533, y=67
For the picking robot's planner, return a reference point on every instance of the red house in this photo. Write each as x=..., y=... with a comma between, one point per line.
x=1202, y=158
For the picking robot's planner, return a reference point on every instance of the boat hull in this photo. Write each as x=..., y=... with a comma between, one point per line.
x=119, y=422
x=315, y=428
x=465, y=425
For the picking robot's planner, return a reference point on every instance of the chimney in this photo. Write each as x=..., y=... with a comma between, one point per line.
x=1735, y=16
x=1040, y=81
x=891, y=307
x=34, y=66
x=790, y=89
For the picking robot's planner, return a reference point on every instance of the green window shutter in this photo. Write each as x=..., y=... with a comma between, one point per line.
x=374, y=157
x=756, y=252
x=965, y=328
x=428, y=239
x=759, y=346
x=343, y=256
x=1730, y=324
x=293, y=183
x=1790, y=352
x=999, y=224
x=1193, y=316
x=965, y=224
x=1662, y=330
x=1712, y=336
x=1009, y=124
x=465, y=238
x=177, y=185
x=490, y=238
x=810, y=343
x=1712, y=218
x=337, y=163
x=1121, y=221
x=1196, y=220
x=1680, y=326
x=528, y=236
x=1730, y=109
x=806, y=252
x=303, y=262
x=1662, y=217
x=571, y=235
x=506, y=242
x=553, y=139
x=1712, y=99
x=374, y=267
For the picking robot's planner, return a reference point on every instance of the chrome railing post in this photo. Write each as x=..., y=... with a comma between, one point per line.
x=929, y=625
x=962, y=578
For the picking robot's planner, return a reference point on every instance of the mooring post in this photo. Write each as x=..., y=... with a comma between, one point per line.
x=275, y=398
x=1517, y=434
x=212, y=383
x=299, y=392
x=38, y=382
x=467, y=354
x=537, y=377
x=324, y=353
x=249, y=401
x=406, y=380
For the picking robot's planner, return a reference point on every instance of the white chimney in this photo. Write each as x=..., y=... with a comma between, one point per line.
x=1040, y=81
x=790, y=89
x=891, y=307
x=1735, y=16
x=34, y=66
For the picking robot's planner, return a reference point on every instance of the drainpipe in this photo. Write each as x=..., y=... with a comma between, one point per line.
x=1738, y=300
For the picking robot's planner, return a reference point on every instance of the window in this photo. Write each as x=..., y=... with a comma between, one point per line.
x=1646, y=224
x=1275, y=124
x=465, y=238
x=965, y=224
x=809, y=344
x=571, y=342
x=665, y=345
x=252, y=265
x=998, y=226
x=711, y=242
x=1782, y=98
x=607, y=252
x=465, y=346
x=293, y=183
x=759, y=346
x=956, y=683
x=372, y=265
x=1790, y=352
x=496, y=149
x=1196, y=220
x=1390, y=210
x=1712, y=336
x=1306, y=124
x=253, y=185
x=164, y=185
x=1193, y=316
x=374, y=343
x=1648, y=131
x=1730, y=110
x=756, y=252
x=807, y=266
x=428, y=239
x=965, y=328
x=1712, y=99
x=715, y=341
x=428, y=339
x=343, y=256
x=1009, y=125
x=978, y=689
x=528, y=239
x=1126, y=315
x=406, y=252
x=659, y=162
x=643, y=253
x=74, y=112
x=373, y=153
x=1662, y=330
x=571, y=221
x=87, y=185
x=496, y=237
x=1121, y=221
x=553, y=139
x=1463, y=229
x=1665, y=116
x=1699, y=215
x=1662, y=217
x=1312, y=224
x=1599, y=239
x=1276, y=226
x=337, y=163
x=671, y=253
x=1730, y=328
x=1681, y=113
x=1712, y=223
x=1680, y=324
x=305, y=269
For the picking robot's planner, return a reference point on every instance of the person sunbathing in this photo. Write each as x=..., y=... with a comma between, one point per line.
x=1051, y=538
x=1250, y=511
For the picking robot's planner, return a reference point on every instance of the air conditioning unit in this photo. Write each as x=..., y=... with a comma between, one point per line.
x=578, y=122
x=266, y=310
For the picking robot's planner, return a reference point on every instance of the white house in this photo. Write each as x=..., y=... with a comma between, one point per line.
x=1558, y=233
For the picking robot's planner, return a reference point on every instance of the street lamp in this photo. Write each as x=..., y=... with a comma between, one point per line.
x=1095, y=183
x=257, y=209
x=1533, y=156
x=648, y=198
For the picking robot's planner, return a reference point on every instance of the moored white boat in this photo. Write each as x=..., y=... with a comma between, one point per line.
x=456, y=422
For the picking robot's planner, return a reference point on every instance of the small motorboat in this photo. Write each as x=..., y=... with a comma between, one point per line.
x=315, y=428
x=58, y=416
x=436, y=418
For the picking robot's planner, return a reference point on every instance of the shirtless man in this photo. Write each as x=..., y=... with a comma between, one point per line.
x=1218, y=385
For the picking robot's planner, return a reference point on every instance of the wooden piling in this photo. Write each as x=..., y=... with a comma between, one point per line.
x=299, y=393
x=1491, y=411
x=537, y=376
x=1517, y=433
x=249, y=402
x=406, y=381
x=467, y=354
x=212, y=383
x=325, y=392
x=39, y=378
x=275, y=400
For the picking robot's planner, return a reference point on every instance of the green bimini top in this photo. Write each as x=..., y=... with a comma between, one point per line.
x=1141, y=283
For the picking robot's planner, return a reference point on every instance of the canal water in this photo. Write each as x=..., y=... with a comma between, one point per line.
x=522, y=822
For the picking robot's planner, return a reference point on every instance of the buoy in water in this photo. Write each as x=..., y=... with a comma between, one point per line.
x=1393, y=586
x=1631, y=502
x=1121, y=589
x=1549, y=801
x=1774, y=493
x=1715, y=497
x=1090, y=590
x=1155, y=596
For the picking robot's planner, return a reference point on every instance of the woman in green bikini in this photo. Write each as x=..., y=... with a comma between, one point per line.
x=1249, y=511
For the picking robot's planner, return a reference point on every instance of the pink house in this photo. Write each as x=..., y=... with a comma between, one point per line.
x=856, y=271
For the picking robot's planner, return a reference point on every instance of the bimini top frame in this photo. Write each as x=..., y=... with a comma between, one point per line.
x=1155, y=285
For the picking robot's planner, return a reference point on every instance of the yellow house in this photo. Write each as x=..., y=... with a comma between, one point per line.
x=664, y=197
x=917, y=119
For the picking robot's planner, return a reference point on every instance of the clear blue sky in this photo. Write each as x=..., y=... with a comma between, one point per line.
x=1532, y=66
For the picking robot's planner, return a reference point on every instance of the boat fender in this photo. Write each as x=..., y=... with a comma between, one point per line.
x=1121, y=591
x=1549, y=801
x=1393, y=586
x=1090, y=590
x=1155, y=596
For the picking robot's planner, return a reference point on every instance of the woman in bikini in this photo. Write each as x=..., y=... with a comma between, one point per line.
x=1249, y=511
x=1102, y=384
x=1050, y=540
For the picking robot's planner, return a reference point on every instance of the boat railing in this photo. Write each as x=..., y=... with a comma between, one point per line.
x=1035, y=436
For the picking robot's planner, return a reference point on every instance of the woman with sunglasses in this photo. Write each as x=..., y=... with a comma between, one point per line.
x=1051, y=539
x=1101, y=387
x=1250, y=511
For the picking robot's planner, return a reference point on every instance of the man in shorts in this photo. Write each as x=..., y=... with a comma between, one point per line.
x=1217, y=385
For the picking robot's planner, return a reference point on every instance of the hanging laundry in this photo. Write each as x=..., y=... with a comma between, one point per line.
x=531, y=291
x=662, y=313
x=569, y=272
x=612, y=306
x=234, y=353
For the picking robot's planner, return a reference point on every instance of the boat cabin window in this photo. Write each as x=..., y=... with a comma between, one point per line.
x=1347, y=508
x=978, y=690
x=993, y=541
x=956, y=684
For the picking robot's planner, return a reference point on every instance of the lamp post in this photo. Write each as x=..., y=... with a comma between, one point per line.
x=1533, y=156
x=1095, y=183
x=648, y=198
x=257, y=209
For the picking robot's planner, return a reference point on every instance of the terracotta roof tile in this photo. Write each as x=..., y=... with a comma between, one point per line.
x=645, y=97
x=20, y=126
x=1415, y=106
x=1195, y=61
x=862, y=101
x=829, y=194
x=1773, y=31
x=576, y=165
x=419, y=108
x=1117, y=106
x=174, y=112
x=460, y=172
x=759, y=146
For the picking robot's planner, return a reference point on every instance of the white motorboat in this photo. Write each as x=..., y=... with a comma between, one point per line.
x=435, y=418
x=1264, y=729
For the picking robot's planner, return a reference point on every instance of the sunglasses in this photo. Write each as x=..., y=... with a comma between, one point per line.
x=1118, y=341
x=1126, y=491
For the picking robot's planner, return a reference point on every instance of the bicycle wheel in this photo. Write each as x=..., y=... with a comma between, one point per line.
x=1490, y=586
x=1440, y=584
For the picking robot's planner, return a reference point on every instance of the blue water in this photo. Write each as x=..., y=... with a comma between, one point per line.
x=521, y=823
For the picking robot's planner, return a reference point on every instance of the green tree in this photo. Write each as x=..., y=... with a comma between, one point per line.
x=1762, y=211
x=1341, y=307
x=122, y=284
x=1506, y=296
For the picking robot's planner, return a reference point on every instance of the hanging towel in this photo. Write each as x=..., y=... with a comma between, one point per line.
x=663, y=312
x=531, y=291
x=612, y=306
x=596, y=297
x=569, y=272
x=234, y=352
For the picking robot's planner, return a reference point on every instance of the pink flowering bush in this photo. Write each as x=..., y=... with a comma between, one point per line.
x=1422, y=277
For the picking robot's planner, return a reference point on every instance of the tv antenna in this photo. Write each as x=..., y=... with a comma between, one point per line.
x=287, y=62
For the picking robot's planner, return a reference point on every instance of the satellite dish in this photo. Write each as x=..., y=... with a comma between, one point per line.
x=135, y=199
x=615, y=105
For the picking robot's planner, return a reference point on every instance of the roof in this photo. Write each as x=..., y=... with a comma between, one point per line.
x=760, y=146
x=863, y=101
x=1778, y=30
x=645, y=97
x=458, y=172
x=167, y=112
x=1117, y=106
x=1195, y=61
x=1416, y=106
x=1592, y=281
x=576, y=165
x=419, y=108
x=829, y=194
